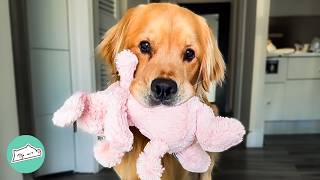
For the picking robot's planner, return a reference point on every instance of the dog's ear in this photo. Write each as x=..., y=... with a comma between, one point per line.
x=114, y=38
x=212, y=66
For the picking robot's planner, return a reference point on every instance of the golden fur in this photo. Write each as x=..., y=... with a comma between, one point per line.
x=170, y=29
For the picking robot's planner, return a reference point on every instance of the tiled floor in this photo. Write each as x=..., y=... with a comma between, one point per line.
x=289, y=157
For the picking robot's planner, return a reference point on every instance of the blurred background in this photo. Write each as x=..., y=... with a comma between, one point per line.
x=271, y=49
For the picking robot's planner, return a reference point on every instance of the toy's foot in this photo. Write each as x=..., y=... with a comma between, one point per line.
x=227, y=132
x=70, y=111
x=106, y=155
x=149, y=162
x=149, y=168
x=194, y=159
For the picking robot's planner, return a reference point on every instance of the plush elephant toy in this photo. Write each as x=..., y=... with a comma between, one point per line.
x=187, y=130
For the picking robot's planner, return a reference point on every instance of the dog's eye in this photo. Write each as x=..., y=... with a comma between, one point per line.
x=188, y=55
x=145, y=47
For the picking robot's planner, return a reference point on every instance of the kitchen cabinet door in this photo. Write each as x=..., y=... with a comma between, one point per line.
x=304, y=68
x=302, y=100
x=274, y=100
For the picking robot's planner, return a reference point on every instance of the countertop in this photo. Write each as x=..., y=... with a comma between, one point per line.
x=295, y=54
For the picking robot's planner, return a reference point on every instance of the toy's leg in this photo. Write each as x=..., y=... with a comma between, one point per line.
x=219, y=134
x=87, y=109
x=106, y=154
x=194, y=159
x=116, y=125
x=149, y=162
x=118, y=137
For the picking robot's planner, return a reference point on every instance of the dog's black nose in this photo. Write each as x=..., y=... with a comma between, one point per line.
x=163, y=89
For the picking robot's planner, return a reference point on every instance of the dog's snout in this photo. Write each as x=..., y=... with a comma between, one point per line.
x=163, y=89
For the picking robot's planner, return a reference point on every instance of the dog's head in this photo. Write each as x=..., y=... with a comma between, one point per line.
x=177, y=52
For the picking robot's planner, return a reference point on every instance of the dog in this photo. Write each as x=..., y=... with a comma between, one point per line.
x=178, y=57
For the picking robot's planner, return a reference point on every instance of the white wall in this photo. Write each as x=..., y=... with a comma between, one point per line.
x=136, y=3
x=8, y=107
x=294, y=8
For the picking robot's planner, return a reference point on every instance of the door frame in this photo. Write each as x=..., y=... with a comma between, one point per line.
x=8, y=104
x=82, y=57
x=253, y=70
x=21, y=59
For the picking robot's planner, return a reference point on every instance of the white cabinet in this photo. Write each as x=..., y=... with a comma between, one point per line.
x=274, y=101
x=304, y=68
x=292, y=92
x=279, y=66
x=275, y=88
x=302, y=100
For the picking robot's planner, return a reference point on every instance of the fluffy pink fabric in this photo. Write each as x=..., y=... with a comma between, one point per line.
x=88, y=109
x=149, y=162
x=194, y=159
x=106, y=154
x=71, y=111
x=187, y=130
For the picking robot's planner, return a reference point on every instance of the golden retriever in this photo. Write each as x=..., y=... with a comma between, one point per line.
x=178, y=58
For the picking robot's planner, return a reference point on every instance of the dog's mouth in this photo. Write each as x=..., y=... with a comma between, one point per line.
x=152, y=101
x=161, y=92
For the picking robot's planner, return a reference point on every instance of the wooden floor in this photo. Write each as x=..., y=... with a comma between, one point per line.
x=290, y=157
x=285, y=157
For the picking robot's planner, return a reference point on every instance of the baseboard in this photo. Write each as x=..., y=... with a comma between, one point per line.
x=292, y=127
x=254, y=139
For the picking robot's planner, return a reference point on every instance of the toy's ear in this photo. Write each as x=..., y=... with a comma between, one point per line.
x=212, y=66
x=114, y=38
x=126, y=63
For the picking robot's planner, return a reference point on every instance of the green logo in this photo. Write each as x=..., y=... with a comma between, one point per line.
x=25, y=154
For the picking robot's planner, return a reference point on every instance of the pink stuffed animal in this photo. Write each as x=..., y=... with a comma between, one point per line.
x=186, y=130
